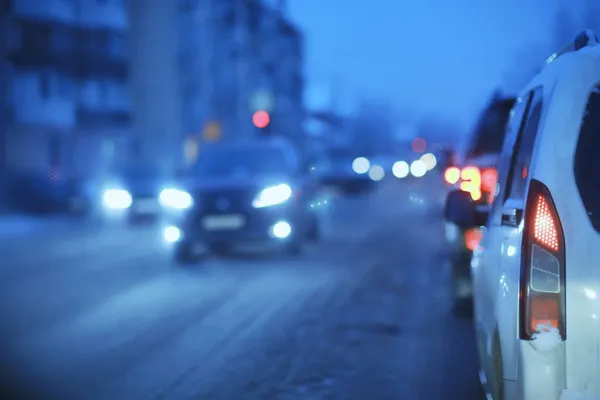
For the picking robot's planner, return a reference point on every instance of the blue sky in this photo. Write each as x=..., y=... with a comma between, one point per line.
x=428, y=56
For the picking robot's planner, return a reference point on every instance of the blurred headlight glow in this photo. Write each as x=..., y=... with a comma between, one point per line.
x=429, y=160
x=361, y=165
x=281, y=230
x=117, y=199
x=174, y=198
x=400, y=169
x=272, y=196
x=376, y=173
x=418, y=168
x=171, y=234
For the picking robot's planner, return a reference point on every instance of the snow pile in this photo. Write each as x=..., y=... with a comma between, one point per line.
x=547, y=338
x=15, y=225
x=571, y=394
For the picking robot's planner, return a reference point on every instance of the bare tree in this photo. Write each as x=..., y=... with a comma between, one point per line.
x=533, y=55
x=565, y=26
x=591, y=15
x=527, y=64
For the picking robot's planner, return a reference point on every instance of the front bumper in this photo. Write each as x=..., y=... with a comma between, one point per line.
x=251, y=226
x=142, y=209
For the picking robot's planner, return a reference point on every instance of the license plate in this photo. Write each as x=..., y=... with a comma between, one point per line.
x=146, y=206
x=223, y=222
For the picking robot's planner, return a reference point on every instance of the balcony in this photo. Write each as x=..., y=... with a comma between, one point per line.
x=40, y=98
x=71, y=50
x=101, y=119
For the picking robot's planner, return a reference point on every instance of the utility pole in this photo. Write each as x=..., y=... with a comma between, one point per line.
x=4, y=103
x=243, y=67
x=207, y=22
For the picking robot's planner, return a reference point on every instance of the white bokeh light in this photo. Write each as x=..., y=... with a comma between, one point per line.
x=418, y=168
x=400, y=169
x=361, y=165
x=376, y=173
x=429, y=160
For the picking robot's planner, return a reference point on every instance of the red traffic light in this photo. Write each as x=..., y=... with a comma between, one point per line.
x=261, y=119
x=419, y=145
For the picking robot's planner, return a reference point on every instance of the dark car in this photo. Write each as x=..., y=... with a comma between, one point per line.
x=477, y=177
x=252, y=193
x=337, y=169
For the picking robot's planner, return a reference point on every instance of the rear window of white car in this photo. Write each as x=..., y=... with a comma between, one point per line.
x=587, y=159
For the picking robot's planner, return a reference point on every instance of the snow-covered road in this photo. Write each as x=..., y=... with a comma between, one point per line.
x=365, y=314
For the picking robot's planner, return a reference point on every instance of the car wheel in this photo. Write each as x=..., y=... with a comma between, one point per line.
x=498, y=383
x=184, y=254
x=463, y=305
x=293, y=248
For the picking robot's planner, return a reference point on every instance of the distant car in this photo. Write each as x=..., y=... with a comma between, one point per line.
x=134, y=194
x=49, y=191
x=536, y=275
x=247, y=193
x=339, y=169
x=477, y=176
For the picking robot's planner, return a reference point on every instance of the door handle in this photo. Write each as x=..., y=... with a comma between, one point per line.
x=512, y=216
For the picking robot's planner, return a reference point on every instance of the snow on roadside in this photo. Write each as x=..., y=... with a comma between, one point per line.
x=547, y=339
x=17, y=225
x=571, y=394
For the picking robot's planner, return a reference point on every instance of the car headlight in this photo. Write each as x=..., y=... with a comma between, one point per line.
x=174, y=198
x=273, y=196
x=117, y=199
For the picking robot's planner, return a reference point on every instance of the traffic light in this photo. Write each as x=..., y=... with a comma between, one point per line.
x=262, y=120
x=419, y=145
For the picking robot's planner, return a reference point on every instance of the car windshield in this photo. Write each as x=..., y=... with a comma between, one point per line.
x=139, y=173
x=225, y=162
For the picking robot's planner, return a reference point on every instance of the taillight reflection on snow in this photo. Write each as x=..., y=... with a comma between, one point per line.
x=473, y=238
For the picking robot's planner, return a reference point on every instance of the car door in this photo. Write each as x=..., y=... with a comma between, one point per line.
x=511, y=226
x=486, y=266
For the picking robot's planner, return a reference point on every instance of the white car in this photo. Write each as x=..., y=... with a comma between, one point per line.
x=536, y=273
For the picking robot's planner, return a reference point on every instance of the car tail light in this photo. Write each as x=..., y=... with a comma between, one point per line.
x=479, y=183
x=452, y=175
x=489, y=178
x=471, y=181
x=542, y=292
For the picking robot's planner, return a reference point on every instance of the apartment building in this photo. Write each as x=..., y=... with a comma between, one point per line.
x=68, y=99
x=210, y=59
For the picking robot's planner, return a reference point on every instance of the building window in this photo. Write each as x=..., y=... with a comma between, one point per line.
x=61, y=40
x=64, y=87
x=15, y=37
x=54, y=149
x=103, y=93
x=6, y=5
x=116, y=45
x=187, y=5
x=44, y=83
